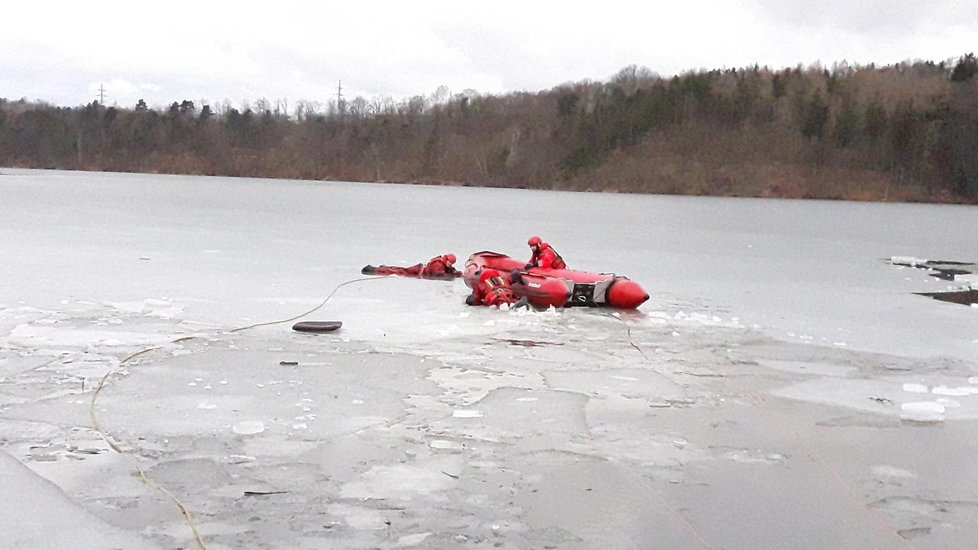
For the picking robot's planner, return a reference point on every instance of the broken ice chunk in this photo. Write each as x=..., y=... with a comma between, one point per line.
x=922, y=411
x=249, y=427
x=971, y=279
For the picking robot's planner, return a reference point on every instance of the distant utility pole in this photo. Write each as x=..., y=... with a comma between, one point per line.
x=339, y=97
x=101, y=94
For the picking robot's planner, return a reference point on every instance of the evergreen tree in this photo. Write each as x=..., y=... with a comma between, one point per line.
x=966, y=68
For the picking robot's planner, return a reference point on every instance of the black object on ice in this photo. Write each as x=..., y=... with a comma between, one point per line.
x=317, y=326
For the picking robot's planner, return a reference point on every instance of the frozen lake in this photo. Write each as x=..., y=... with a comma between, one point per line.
x=783, y=388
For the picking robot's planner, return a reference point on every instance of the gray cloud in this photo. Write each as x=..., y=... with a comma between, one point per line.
x=869, y=18
x=301, y=50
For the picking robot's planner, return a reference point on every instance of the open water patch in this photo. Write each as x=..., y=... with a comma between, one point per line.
x=963, y=297
x=946, y=270
x=962, y=273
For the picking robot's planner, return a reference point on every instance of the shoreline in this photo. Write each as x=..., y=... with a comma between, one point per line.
x=869, y=189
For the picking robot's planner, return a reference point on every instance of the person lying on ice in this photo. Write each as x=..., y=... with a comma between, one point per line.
x=439, y=267
x=543, y=255
x=493, y=290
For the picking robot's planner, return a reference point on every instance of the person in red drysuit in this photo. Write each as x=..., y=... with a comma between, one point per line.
x=543, y=255
x=439, y=267
x=491, y=290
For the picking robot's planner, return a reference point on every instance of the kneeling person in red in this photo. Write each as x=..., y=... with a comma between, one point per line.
x=543, y=255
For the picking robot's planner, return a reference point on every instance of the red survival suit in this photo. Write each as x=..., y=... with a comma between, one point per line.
x=544, y=256
x=492, y=290
x=438, y=267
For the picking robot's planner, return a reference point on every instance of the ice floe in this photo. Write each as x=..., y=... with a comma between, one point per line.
x=922, y=411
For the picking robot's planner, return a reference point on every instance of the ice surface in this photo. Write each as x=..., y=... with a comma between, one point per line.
x=761, y=395
x=892, y=471
x=37, y=514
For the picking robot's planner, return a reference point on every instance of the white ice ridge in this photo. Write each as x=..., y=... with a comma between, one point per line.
x=150, y=307
x=33, y=335
x=910, y=260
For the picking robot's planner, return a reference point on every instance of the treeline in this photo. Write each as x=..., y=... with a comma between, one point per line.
x=899, y=132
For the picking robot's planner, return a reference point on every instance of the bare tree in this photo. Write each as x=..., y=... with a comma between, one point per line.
x=440, y=95
x=383, y=105
x=222, y=107
x=414, y=106
x=357, y=107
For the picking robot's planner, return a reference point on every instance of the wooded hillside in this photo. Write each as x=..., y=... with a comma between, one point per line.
x=901, y=132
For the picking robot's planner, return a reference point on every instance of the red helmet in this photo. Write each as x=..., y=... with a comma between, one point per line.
x=534, y=241
x=450, y=258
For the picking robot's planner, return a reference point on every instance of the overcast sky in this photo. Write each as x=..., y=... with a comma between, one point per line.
x=62, y=51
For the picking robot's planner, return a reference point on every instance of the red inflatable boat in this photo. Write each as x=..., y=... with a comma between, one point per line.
x=558, y=287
